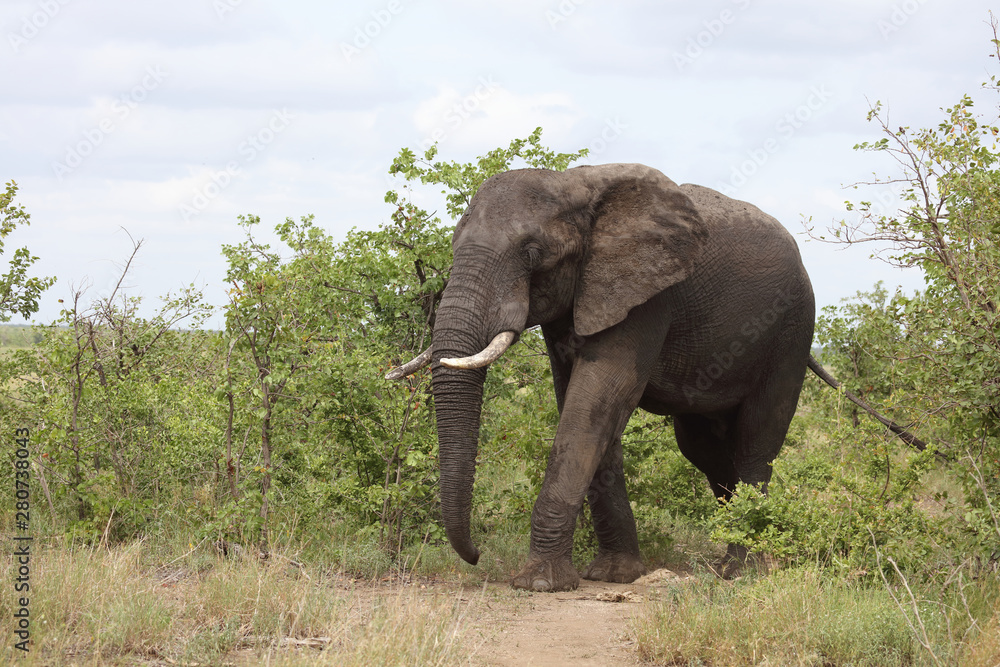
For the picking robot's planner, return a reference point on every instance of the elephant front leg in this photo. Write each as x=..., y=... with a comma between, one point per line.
x=553, y=520
x=609, y=372
x=618, y=559
x=568, y=479
x=550, y=561
x=572, y=462
x=597, y=406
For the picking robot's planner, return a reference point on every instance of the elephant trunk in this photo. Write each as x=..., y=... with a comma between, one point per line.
x=458, y=396
x=473, y=312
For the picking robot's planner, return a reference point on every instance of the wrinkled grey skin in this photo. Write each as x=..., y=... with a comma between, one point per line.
x=675, y=299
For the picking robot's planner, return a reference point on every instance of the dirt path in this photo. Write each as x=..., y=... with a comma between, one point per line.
x=588, y=626
x=490, y=625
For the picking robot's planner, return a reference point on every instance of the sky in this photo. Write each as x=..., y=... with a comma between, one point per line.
x=133, y=119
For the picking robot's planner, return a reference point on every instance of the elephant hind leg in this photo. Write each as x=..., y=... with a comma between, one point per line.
x=707, y=442
x=710, y=444
x=743, y=447
x=760, y=430
x=762, y=424
x=618, y=559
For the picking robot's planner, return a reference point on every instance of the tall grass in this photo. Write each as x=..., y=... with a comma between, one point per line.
x=94, y=606
x=803, y=617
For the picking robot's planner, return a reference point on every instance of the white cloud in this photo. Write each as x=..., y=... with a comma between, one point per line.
x=486, y=114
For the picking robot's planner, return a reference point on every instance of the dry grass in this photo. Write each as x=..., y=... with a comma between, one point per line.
x=800, y=617
x=984, y=650
x=118, y=606
x=132, y=605
x=795, y=621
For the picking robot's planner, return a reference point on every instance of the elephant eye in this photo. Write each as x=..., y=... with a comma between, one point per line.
x=533, y=254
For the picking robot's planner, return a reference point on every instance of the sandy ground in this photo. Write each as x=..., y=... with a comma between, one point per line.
x=502, y=627
x=588, y=626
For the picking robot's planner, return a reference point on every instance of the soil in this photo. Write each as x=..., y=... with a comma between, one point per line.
x=503, y=627
x=588, y=626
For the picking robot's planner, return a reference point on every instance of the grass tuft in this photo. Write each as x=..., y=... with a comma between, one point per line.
x=791, y=617
x=95, y=606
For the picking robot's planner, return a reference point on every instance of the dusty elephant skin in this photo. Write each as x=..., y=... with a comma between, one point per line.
x=675, y=299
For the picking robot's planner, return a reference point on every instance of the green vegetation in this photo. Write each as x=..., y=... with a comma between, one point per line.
x=18, y=292
x=196, y=494
x=13, y=336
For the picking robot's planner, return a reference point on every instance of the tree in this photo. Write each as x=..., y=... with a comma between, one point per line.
x=18, y=293
x=118, y=406
x=274, y=316
x=463, y=180
x=937, y=352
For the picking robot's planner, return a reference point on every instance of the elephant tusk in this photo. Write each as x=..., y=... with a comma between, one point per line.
x=410, y=367
x=492, y=352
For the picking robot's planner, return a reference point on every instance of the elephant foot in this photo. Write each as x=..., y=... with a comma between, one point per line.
x=619, y=568
x=738, y=561
x=547, y=575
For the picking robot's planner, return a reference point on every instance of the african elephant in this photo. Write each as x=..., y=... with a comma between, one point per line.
x=675, y=299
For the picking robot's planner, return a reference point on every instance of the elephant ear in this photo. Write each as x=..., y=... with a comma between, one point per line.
x=646, y=235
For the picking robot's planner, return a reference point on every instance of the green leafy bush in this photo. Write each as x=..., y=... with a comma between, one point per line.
x=840, y=505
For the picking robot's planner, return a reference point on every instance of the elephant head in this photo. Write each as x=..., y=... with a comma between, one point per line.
x=535, y=246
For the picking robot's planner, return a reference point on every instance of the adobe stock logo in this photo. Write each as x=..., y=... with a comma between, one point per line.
x=562, y=13
x=33, y=24
x=224, y=7
x=121, y=108
x=712, y=30
x=751, y=331
x=613, y=128
x=461, y=111
x=901, y=14
x=249, y=150
x=785, y=128
x=365, y=34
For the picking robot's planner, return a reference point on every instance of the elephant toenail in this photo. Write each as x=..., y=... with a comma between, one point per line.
x=540, y=585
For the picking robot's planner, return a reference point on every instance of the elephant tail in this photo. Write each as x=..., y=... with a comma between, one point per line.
x=903, y=434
